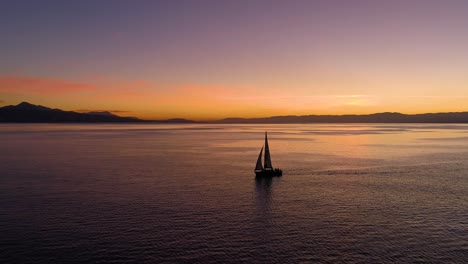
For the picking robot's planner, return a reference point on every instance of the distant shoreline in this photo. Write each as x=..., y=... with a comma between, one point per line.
x=218, y=123
x=30, y=113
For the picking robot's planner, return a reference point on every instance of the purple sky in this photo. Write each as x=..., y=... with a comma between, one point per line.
x=209, y=59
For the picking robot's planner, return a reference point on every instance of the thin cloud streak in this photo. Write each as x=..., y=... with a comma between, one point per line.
x=37, y=85
x=438, y=96
x=111, y=111
x=259, y=97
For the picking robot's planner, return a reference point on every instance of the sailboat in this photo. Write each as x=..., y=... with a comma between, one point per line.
x=267, y=170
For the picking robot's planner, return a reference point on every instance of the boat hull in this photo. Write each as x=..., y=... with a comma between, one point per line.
x=269, y=173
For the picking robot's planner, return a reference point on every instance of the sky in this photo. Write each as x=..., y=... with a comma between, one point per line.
x=206, y=60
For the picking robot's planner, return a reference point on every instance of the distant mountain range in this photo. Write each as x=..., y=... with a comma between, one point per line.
x=455, y=117
x=26, y=112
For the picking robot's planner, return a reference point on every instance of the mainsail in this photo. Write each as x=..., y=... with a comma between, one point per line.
x=259, y=166
x=267, y=154
x=268, y=170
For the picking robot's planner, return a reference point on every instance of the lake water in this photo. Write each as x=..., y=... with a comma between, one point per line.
x=353, y=193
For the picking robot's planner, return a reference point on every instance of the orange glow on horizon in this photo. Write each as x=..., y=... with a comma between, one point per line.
x=149, y=100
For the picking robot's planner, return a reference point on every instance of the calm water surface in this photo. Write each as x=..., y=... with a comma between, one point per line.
x=350, y=193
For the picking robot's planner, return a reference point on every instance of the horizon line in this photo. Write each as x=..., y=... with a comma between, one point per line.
x=244, y=118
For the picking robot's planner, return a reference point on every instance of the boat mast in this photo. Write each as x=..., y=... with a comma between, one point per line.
x=267, y=162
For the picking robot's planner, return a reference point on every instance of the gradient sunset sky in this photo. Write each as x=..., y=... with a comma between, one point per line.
x=213, y=59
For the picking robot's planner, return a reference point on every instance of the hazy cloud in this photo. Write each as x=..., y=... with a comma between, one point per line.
x=439, y=96
x=316, y=97
x=21, y=84
x=112, y=111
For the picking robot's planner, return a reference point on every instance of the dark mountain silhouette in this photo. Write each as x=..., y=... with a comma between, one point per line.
x=102, y=113
x=174, y=121
x=179, y=120
x=29, y=107
x=388, y=117
x=26, y=112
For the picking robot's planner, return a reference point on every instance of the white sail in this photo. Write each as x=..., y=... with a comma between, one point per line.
x=259, y=166
x=267, y=154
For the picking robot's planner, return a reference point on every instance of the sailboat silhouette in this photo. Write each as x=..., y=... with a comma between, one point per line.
x=267, y=170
